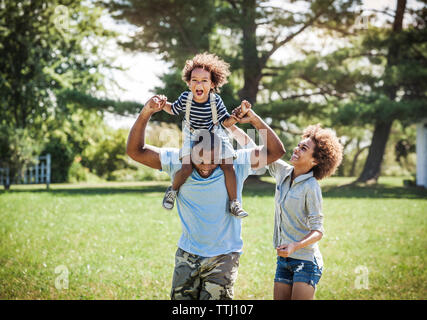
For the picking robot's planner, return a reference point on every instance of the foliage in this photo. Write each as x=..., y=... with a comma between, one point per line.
x=18, y=149
x=78, y=173
x=369, y=75
x=141, y=174
x=255, y=29
x=47, y=48
x=107, y=154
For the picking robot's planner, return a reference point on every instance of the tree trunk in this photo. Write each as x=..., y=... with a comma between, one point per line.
x=355, y=158
x=372, y=168
x=251, y=62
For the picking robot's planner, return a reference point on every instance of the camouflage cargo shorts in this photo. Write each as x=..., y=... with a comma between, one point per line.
x=203, y=278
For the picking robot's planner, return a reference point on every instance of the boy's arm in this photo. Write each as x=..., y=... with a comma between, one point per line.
x=244, y=107
x=227, y=123
x=168, y=108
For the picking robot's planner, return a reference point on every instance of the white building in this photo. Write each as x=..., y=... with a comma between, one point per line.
x=422, y=153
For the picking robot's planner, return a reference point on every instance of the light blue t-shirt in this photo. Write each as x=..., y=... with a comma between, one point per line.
x=208, y=228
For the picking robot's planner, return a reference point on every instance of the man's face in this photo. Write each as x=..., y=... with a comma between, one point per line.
x=204, y=162
x=200, y=84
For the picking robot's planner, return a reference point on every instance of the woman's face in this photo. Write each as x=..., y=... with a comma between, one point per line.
x=303, y=154
x=200, y=84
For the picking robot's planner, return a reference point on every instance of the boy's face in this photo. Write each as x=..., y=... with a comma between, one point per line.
x=200, y=84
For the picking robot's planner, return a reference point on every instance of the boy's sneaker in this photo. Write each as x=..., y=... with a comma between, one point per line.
x=236, y=209
x=169, y=198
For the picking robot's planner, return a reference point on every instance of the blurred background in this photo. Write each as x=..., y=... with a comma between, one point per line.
x=75, y=74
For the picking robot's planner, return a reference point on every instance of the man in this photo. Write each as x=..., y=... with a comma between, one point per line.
x=209, y=249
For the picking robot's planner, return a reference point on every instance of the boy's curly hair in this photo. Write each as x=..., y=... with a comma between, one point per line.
x=327, y=151
x=218, y=68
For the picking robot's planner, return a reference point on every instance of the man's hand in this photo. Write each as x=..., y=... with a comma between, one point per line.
x=155, y=104
x=286, y=250
x=243, y=113
x=249, y=117
x=242, y=110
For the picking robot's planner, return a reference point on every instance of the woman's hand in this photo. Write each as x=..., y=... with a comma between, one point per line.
x=286, y=250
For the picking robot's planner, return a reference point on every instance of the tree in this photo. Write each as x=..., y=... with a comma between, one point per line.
x=396, y=93
x=47, y=48
x=372, y=78
x=372, y=168
x=376, y=78
x=179, y=29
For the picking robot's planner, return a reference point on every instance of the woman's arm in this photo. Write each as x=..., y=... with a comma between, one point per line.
x=287, y=249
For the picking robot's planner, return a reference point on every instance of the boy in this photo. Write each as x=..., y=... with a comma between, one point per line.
x=204, y=110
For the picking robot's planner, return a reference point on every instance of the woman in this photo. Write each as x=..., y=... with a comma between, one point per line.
x=298, y=213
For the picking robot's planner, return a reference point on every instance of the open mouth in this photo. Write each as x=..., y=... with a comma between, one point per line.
x=294, y=157
x=199, y=93
x=204, y=172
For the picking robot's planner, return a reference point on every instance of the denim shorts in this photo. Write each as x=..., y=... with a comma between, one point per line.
x=290, y=270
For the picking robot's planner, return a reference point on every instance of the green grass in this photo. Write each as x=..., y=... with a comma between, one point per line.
x=118, y=243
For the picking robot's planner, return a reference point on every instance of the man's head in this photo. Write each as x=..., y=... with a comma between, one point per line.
x=205, y=153
x=203, y=73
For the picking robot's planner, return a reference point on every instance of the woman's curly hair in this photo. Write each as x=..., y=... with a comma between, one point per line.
x=218, y=68
x=327, y=151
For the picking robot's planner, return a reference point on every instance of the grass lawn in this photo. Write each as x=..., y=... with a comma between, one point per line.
x=116, y=242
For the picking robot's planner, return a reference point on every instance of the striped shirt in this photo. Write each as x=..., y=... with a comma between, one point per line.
x=201, y=113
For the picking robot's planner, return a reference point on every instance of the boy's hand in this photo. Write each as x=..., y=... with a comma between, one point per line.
x=245, y=106
x=242, y=110
x=243, y=113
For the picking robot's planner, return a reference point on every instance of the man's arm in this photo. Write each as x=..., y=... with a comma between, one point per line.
x=241, y=137
x=272, y=149
x=136, y=147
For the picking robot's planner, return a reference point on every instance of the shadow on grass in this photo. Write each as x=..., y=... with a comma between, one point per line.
x=94, y=191
x=262, y=188
x=252, y=188
x=374, y=191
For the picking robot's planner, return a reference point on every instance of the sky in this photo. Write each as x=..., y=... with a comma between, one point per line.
x=142, y=70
